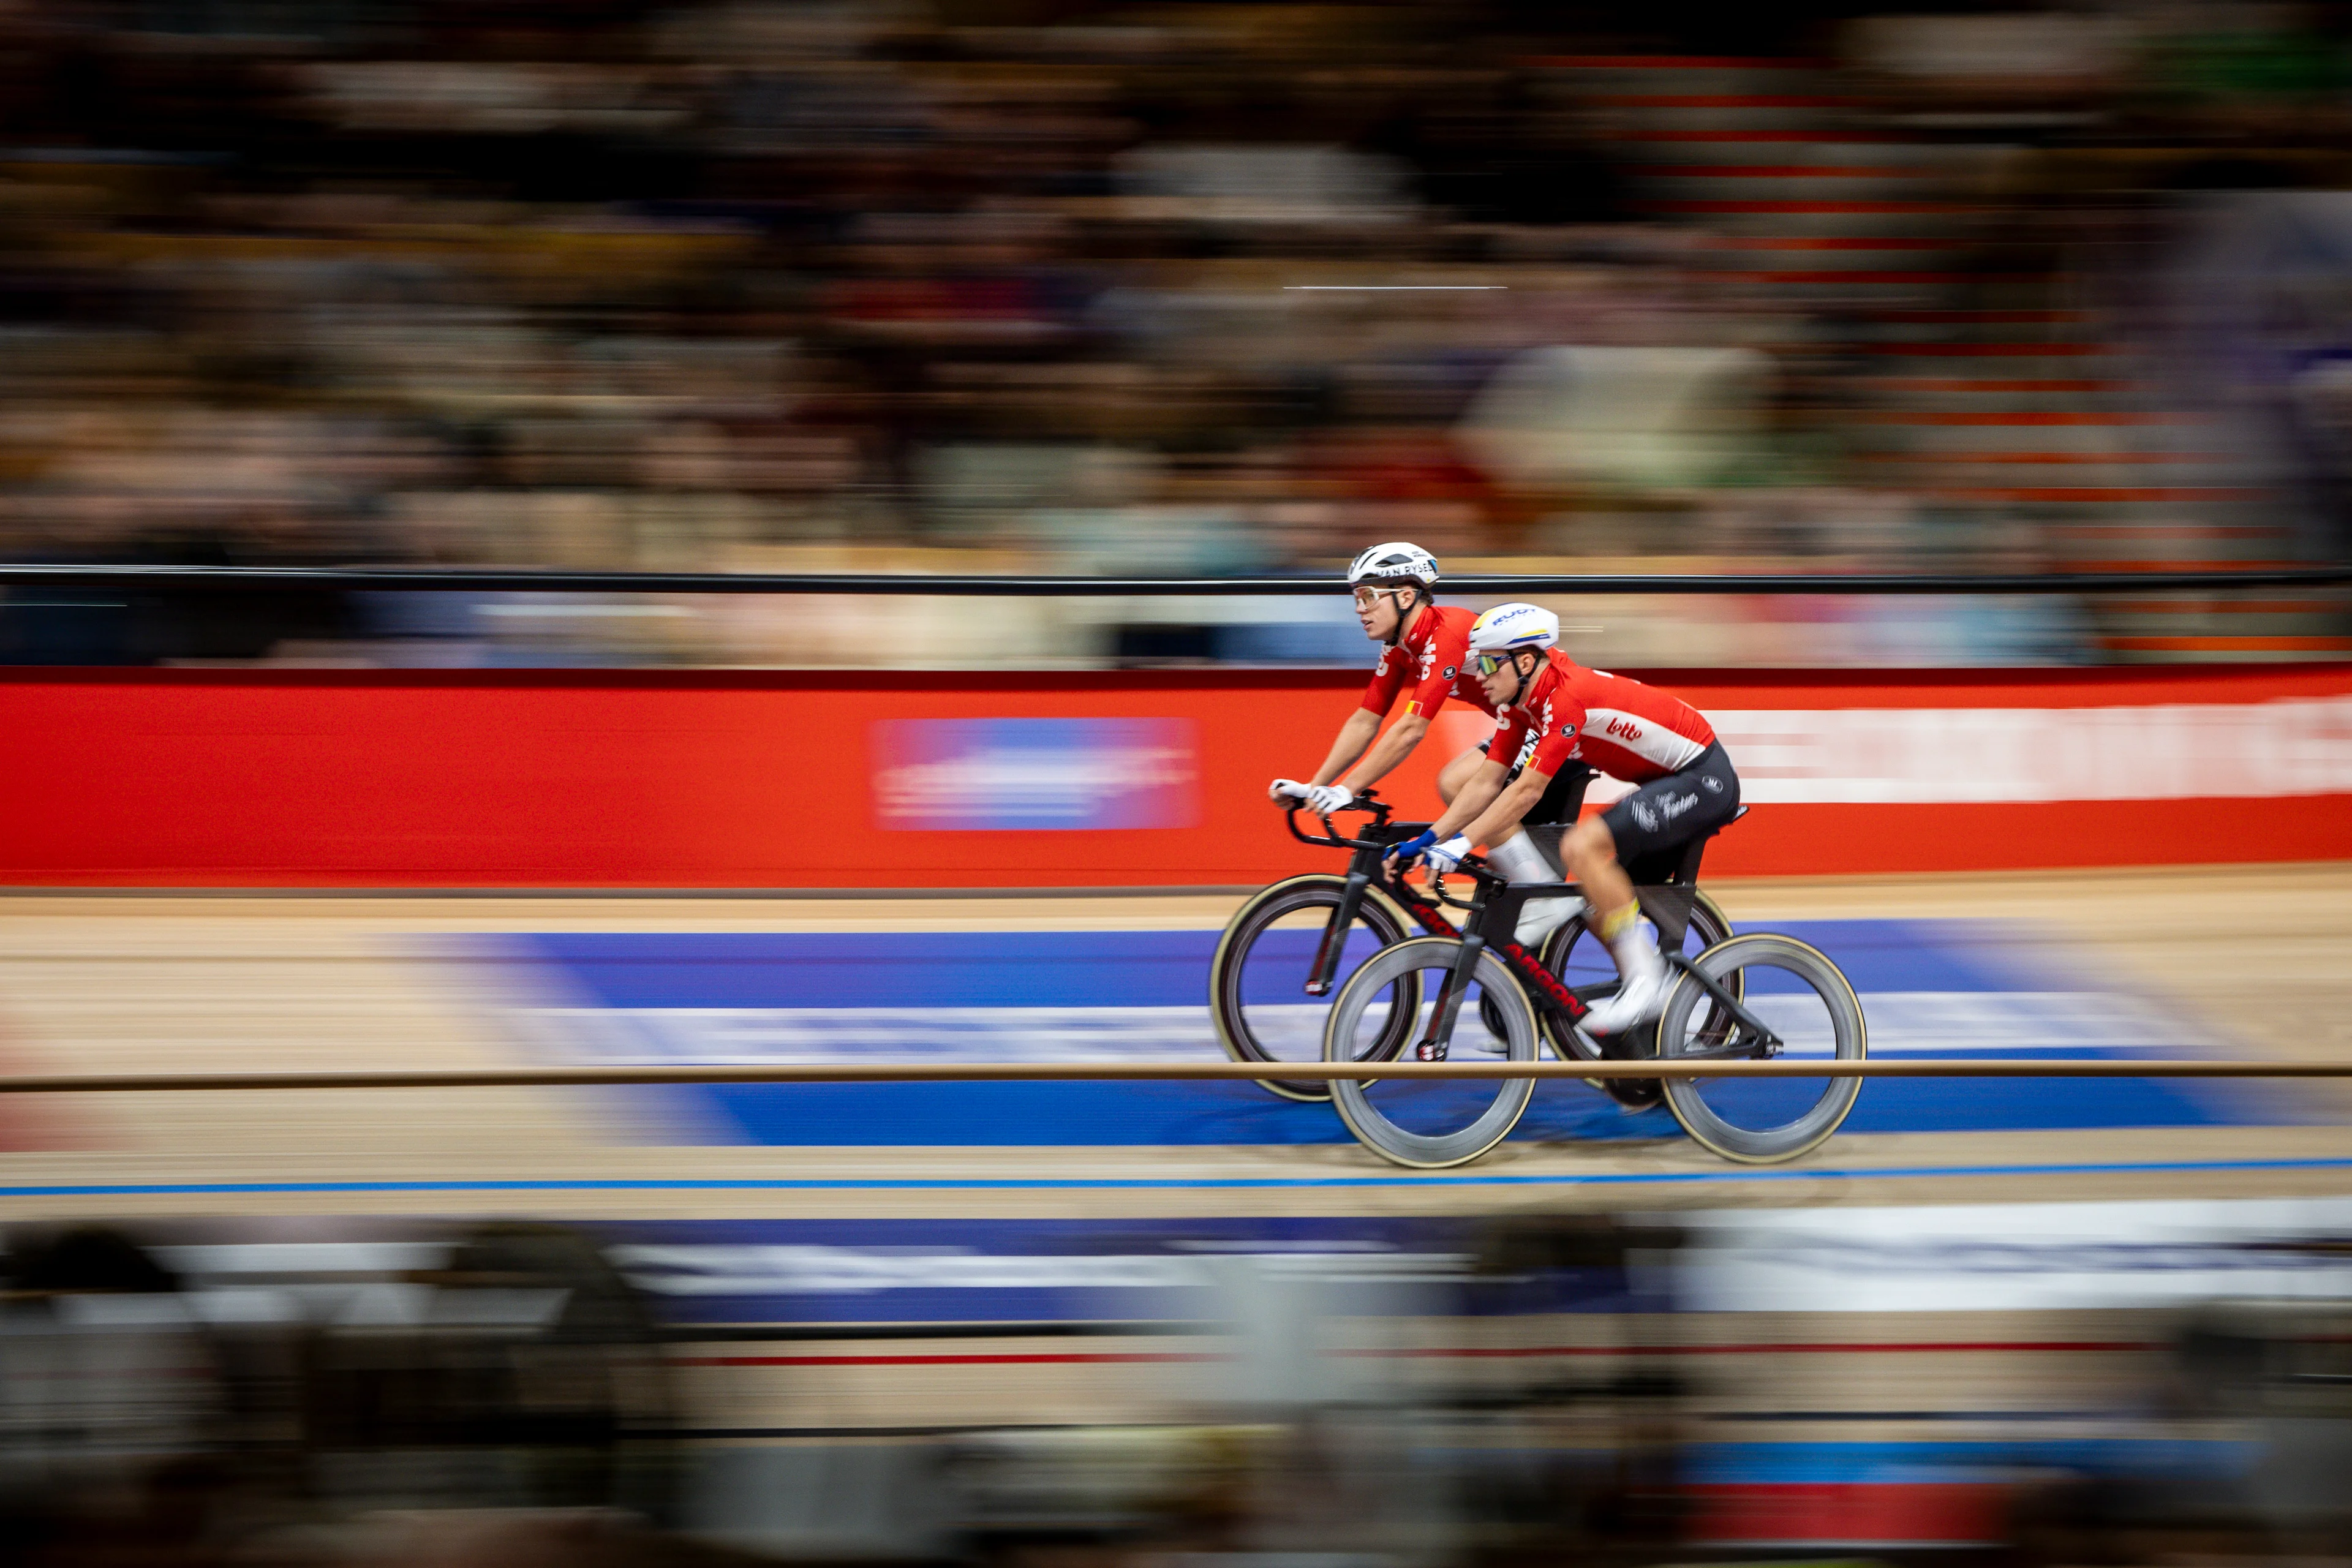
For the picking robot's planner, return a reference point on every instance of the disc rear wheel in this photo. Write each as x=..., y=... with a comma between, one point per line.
x=1791, y=989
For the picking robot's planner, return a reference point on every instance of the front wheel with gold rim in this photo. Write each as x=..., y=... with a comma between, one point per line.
x=1258, y=995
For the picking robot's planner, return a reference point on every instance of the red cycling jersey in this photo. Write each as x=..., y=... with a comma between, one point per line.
x=1613, y=725
x=1435, y=655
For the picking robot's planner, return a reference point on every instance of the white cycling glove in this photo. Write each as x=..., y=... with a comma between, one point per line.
x=1329, y=798
x=1323, y=799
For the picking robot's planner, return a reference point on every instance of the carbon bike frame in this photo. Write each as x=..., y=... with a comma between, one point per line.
x=1494, y=906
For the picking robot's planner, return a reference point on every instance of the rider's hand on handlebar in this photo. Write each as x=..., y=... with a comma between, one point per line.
x=1322, y=799
x=1325, y=799
x=1411, y=851
x=1440, y=857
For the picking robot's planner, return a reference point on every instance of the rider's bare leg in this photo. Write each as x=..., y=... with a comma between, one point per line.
x=1589, y=851
x=1456, y=773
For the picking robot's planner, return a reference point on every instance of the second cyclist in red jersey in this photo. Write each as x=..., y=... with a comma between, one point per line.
x=1427, y=654
x=1556, y=715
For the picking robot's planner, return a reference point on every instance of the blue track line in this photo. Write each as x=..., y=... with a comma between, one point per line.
x=1161, y=1184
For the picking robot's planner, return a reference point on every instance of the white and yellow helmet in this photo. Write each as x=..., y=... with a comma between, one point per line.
x=1508, y=628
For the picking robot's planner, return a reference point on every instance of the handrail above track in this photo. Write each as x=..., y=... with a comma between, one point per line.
x=998, y=1072
x=476, y=579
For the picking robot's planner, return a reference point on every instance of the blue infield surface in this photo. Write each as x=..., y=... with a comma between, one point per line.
x=1928, y=987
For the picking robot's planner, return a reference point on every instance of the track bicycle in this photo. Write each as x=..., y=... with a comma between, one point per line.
x=1285, y=953
x=1760, y=996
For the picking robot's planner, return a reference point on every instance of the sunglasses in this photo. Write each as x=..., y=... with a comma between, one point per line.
x=1491, y=663
x=1366, y=598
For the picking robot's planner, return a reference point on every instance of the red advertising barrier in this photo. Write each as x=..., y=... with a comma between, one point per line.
x=187, y=778
x=1859, y=1514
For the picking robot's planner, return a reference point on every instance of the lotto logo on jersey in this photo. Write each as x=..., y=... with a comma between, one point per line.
x=1000, y=774
x=1624, y=729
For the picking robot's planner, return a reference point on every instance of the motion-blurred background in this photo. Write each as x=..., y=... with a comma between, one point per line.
x=961, y=288
x=990, y=286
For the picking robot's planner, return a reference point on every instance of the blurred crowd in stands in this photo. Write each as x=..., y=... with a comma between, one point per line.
x=972, y=287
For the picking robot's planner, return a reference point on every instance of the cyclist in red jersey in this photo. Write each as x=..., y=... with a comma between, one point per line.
x=1427, y=649
x=1555, y=714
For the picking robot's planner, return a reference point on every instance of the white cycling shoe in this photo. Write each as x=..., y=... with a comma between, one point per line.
x=1637, y=1002
x=1643, y=995
x=1538, y=918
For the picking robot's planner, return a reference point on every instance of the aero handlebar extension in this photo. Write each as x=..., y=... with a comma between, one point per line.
x=1367, y=801
x=1370, y=801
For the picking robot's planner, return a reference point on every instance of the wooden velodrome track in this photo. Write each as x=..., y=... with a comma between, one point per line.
x=223, y=982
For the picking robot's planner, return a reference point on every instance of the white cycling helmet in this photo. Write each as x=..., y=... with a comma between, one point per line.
x=1508, y=628
x=1397, y=560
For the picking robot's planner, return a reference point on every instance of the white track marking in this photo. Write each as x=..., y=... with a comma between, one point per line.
x=1902, y=1023
x=2018, y=1256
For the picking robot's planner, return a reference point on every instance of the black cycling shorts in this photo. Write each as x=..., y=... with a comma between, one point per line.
x=1666, y=813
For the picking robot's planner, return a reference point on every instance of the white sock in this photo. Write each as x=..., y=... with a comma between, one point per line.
x=1519, y=860
x=1636, y=952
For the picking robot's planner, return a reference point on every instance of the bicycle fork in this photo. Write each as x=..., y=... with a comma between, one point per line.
x=1439, y=1034
x=1335, y=933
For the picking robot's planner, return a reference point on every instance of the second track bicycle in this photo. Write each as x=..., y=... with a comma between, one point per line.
x=1287, y=952
x=1759, y=997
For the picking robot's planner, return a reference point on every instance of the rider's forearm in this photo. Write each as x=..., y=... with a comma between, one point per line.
x=1395, y=747
x=1354, y=736
x=1475, y=795
x=1507, y=813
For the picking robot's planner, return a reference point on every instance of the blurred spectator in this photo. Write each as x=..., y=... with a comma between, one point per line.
x=1193, y=290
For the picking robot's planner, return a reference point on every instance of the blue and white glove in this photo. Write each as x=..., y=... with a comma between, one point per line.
x=1444, y=858
x=1413, y=848
x=1441, y=858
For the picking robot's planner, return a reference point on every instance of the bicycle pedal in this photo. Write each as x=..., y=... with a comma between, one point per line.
x=1426, y=1052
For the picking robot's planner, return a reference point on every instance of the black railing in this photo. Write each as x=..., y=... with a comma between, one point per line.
x=475, y=578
